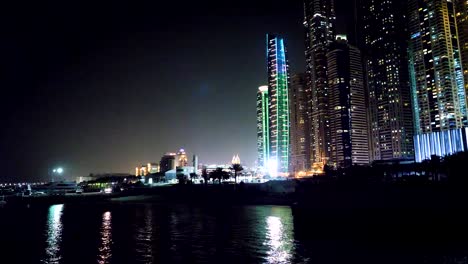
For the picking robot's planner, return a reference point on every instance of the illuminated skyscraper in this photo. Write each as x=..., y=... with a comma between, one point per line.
x=278, y=99
x=461, y=9
x=300, y=144
x=263, y=138
x=349, y=128
x=437, y=84
x=320, y=33
x=383, y=41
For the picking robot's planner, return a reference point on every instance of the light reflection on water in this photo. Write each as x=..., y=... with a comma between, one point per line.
x=105, y=252
x=54, y=234
x=279, y=238
x=189, y=234
x=144, y=238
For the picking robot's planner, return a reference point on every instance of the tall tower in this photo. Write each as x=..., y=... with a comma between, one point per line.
x=300, y=143
x=437, y=84
x=461, y=9
x=278, y=99
x=348, y=114
x=263, y=129
x=320, y=33
x=383, y=41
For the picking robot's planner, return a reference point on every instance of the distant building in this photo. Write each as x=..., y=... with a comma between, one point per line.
x=349, y=130
x=171, y=175
x=85, y=179
x=168, y=162
x=149, y=168
x=195, y=162
x=153, y=167
x=181, y=158
x=437, y=82
x=235, y=160
x=300, y=132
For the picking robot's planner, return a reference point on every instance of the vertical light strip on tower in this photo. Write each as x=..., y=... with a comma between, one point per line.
x=263, y=140
x=278, y=81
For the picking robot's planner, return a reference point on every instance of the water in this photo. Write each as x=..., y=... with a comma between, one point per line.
x=149, y=233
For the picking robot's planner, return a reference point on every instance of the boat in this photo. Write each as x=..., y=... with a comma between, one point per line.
x=56, y=188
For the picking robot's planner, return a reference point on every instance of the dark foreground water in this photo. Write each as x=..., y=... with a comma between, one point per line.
x=149, y=233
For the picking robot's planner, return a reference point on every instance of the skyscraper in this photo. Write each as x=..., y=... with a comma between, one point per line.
x=461, y=9
x=300, y=145
x=349, y=128
x=278, y=99
x=263, y=134
x=437, y=84
x=383, y=41
x=320, y=33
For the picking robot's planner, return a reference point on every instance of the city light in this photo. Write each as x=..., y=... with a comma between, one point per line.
x=272, y=167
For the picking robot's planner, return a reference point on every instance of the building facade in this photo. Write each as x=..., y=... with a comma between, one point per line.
x=436, y=75
x=383, y=38
x=319, y=26
x=461, y=9
x=168, y=162
x=263, y=134
x=348, y=112
x=278, y=102
x=300, y=134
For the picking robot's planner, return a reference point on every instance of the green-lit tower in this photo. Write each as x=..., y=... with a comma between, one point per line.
x=279, y=125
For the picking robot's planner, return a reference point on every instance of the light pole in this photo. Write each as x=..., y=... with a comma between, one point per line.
x=57, y=171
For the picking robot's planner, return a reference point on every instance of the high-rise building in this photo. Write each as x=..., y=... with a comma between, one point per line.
x=149, y=168
x=278, y=100
x=263, y=138
x=235, y=160
x=168, y=162
x=319, y=25
x=195, y=163
x=437, y=83
x=461, y=9
x=349, y=128
x=383, y=41
x=181, y=159
x=300, y=144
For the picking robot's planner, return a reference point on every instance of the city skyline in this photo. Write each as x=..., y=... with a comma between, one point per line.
x=96, y=88
x=108, y=88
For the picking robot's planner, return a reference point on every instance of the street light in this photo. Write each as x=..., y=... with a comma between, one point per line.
x=57, y=171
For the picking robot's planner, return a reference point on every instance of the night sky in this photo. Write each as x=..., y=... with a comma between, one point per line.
x=103, y=86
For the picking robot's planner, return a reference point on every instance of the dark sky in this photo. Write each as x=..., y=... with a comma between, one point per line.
x=102, y=86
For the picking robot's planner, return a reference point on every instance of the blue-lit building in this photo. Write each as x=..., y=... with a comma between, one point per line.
x=436, y=79
x=278, y=106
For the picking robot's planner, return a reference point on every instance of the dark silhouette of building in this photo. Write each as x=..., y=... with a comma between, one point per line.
x=168, y=162
x=381, y=27
x=300, y=135
x=320, y=33
x=349, y=128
